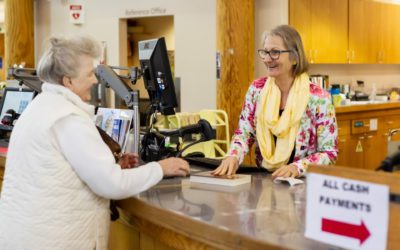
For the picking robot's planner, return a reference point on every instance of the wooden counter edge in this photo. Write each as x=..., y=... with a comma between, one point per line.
x=189, y=233
x=378, y=177
x=367, y=107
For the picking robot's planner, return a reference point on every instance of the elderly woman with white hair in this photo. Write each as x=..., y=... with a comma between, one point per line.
x=60, y=175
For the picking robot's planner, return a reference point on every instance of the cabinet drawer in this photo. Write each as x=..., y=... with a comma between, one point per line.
x=343, y=127
x=359, y=126
x=392, y=122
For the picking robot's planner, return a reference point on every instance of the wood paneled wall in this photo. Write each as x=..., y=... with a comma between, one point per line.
x=2, y=69
x=19, y=30
x=235, y=43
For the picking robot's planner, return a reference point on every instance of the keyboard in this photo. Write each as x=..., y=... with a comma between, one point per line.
x=211, y=163
x=5, y=127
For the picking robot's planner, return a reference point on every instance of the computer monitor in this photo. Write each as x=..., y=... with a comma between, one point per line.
x=157, y=76
x=14, y=101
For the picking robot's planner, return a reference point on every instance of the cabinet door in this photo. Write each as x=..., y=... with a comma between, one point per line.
x=390, y=34
x=389, y=124
x=345, y=151
x=374, y=151
x=323, y=26
x=329, y=28
x=365, y=31
x=300, y=18
x=344, y=155
x=357, y=150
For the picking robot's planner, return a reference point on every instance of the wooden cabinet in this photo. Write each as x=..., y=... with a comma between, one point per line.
x=347, y=31
x=357, y=143
x=372, y=36
x=323, y=28
x=390, y=33
x=364, y=36
x=363, y=134
x=344, y=144
x=389, y=124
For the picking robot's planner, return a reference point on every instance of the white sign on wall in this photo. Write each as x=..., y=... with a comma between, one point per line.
x=347, y=213
x=76, y=14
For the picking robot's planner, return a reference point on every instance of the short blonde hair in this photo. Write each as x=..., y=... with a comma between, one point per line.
x=62, y=58
x=292, y=41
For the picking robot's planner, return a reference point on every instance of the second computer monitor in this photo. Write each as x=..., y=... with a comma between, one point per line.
x=157, y=75
x=14, y=101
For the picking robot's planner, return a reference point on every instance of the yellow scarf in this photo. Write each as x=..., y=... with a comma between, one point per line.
x=285, y=127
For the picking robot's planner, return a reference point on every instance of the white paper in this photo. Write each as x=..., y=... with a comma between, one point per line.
x=292, y=181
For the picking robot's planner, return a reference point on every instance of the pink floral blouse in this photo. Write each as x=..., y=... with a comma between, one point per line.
x=316, y=141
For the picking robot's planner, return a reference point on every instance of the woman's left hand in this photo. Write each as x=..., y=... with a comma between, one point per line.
x=128, y=160
x=286, y=171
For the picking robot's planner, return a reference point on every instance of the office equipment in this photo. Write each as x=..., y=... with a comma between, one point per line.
x=26, y=76
x=13, y=103
x=156, y=144
x=157, y=76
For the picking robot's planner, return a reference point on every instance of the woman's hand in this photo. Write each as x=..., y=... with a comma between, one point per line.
x=174, y=167
x=286, y=171
x=128, y=160
x=228, y=166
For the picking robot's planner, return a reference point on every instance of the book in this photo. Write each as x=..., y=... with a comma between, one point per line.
x=220, y=188
x=224, y=180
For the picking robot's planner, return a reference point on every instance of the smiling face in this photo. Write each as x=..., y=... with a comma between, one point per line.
x=83, y=82
x=279, y=68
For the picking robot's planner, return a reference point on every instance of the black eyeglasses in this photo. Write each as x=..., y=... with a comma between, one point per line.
x=273, y=54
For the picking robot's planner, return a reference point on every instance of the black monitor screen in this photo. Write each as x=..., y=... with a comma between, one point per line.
x=157, y=75
x=14, y=101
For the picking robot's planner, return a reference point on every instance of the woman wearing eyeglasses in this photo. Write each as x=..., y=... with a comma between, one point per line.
x=291, y=120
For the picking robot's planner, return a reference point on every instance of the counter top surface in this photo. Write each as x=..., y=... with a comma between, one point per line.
x=264, y=212
x=370, y=106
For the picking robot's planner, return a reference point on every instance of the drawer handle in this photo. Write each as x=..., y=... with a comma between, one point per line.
x=366, y=125
x=361, y=138
x=370, y=136
x=342, y=140
x=389, y=122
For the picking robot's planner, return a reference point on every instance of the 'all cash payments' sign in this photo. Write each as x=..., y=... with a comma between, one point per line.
x=347, y=213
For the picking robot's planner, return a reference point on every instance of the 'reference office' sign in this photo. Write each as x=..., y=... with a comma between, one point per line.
x=347, y=213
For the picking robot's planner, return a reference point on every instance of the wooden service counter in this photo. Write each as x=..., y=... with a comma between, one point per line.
x=176, y=215
x=2, y=165
x=363, y=133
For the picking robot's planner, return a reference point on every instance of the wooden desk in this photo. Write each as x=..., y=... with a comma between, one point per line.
x=174, y=215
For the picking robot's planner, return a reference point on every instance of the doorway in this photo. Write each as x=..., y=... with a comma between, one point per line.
x=144, y=28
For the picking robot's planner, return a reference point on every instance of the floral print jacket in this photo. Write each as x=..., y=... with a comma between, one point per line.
x=316, y=140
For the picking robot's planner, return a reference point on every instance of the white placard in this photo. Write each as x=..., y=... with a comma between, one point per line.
x=373, y=124
x=76, y=14
x=347, y=213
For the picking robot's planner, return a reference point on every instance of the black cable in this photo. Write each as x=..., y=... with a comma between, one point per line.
x=179, y=154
